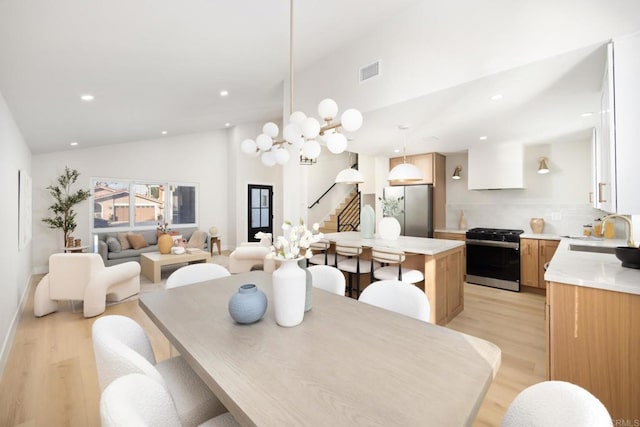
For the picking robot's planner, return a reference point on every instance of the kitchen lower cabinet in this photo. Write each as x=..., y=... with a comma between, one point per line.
x=593, y=340
x=449, y=236
x=444, y=284
x=534, y=254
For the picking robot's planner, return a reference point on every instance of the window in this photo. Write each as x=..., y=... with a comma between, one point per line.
x=126, y=204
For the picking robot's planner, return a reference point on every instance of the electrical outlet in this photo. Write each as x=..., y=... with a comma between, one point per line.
x=556, y=216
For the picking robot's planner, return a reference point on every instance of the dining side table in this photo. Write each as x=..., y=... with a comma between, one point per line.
x=347, y=363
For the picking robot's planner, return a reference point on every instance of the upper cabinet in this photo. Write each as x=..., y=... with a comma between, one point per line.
x=496, y=166
x=618, y=139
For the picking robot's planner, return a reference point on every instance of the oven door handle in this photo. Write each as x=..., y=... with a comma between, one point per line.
x=512, y=245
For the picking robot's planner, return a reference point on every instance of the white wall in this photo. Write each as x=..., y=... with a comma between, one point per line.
x=198, y=158
x=15, y=264
x=561, y=197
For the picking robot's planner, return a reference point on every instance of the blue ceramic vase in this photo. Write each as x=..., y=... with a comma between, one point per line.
x=248, y=305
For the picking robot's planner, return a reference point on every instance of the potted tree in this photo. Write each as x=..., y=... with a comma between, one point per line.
x=64, y=217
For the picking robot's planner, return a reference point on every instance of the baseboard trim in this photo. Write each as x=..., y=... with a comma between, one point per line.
x=8, y=341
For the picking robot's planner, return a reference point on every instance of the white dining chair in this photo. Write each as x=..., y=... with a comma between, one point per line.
x=194, y=273
x=399, y=297
x=392, y=269
x=328, y=278
x=122, y=347
x=353, y=264
x=556, y=404
x=137, y=400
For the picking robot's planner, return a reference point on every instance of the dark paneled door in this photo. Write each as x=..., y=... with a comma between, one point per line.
x=260, y=198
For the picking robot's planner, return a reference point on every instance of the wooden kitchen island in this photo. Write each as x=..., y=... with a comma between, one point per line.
x=442, y=262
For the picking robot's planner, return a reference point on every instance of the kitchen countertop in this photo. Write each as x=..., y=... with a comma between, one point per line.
x=540, y=236
x=592, y=269
x=449, y=230
x=415, y=245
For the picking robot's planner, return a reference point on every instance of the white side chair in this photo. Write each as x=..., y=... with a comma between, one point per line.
x=397, y=296
x=194, y=273
x=122, y=347
x=84, y=277
x=352, y=264
x=555, y=404
x=320, y=251
x=252, y=255
x=137, y=400
x=328, y=278
x=391, y=260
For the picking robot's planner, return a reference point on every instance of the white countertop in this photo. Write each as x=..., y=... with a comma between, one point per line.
x=416, y=245
x=540, y=236
x=592, y=269
x=449, y=230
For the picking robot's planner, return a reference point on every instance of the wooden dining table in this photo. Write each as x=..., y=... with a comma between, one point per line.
x=347, y=363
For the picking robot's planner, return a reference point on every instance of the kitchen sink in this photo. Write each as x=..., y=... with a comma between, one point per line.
x=592, y=248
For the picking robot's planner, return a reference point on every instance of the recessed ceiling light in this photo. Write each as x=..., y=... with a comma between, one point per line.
x=164, y=132
x=482, y=138
x=397, y=150
x=587, y=114
x=73, y=143
x=87, y=97
x=227, y=124
x=224, y=93
x=496, y=97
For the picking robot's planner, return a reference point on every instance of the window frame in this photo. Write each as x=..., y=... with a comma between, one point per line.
x=131, y=185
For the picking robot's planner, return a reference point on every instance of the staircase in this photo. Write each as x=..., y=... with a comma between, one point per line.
x=349, y=213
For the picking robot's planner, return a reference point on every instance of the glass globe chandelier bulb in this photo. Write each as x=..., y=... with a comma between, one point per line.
x=248, y=146
x=292, y=133
x=349, y=176
x=336, y=143
x=268, y=158
x=311, y=149
x=351, y=120
x=270, y=129
x=297, y=143
x=282, y=156
x=327, y=109
x=264, y=142
x=297, y=117
x=310, y=128
x=405, y=172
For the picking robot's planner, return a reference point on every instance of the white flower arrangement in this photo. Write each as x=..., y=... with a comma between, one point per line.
x=391, y=206
x=295, y=241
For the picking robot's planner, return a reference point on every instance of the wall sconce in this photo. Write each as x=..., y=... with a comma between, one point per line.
x=543, y=167
x=456, y=172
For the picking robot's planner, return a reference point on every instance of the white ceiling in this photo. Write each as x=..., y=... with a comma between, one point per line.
x=160, y=65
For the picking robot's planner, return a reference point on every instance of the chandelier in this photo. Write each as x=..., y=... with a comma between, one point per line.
x=302, y=133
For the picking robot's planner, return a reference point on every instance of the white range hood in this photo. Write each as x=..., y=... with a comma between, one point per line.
x=496, y=167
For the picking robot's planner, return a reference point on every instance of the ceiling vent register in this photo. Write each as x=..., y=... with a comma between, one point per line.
x=369, y=71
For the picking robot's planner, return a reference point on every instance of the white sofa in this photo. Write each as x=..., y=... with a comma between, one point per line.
x=83, y=276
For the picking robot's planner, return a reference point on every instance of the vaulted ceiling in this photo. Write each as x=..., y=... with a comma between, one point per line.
x=160, y=65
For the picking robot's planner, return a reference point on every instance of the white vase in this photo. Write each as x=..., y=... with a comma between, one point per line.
x=389, y=228
x=367, y=217
x=289, y=293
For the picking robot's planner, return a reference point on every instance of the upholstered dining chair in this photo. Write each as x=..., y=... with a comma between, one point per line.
x=328, y=278
x=122, y=347
x=555, y=404
x=397, y=296
x=353, y=264
x=320, y=250
x=83, y=276
x=392, y=269
x=194, y=273
x=137, y=400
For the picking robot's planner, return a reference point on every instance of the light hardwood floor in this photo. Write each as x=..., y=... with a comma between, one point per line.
x=50, y=377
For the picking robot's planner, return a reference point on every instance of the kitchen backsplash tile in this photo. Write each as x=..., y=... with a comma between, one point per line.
x=558, y=219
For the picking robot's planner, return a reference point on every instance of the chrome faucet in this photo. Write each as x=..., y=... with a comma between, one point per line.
x=611, y=217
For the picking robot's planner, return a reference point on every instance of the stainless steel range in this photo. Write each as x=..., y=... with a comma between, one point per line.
x=493, y=257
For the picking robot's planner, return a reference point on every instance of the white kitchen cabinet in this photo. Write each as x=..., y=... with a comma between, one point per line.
x=618, y=138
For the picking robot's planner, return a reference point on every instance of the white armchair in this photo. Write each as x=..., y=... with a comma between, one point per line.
x=83, y=276
x=252, y=254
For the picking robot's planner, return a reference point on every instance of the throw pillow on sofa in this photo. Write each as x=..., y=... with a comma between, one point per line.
x=137, y=241
x=114, y=244
x=124, y=242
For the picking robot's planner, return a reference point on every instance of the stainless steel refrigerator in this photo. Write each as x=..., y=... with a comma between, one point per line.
x=417, y=217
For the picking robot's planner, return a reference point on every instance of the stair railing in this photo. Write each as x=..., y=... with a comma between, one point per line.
x=317, y=202
x=349, y=216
